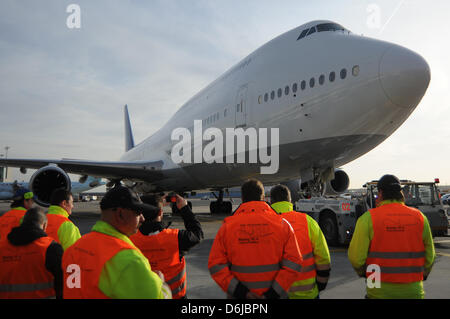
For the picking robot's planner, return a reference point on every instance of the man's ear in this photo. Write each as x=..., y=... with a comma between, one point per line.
x=118, y=216
x=122, y=216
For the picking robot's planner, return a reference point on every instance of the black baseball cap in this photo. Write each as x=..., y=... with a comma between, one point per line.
x=389, y=183
x=121, y=196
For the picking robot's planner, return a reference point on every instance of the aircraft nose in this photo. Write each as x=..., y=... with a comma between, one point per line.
x=404, y=76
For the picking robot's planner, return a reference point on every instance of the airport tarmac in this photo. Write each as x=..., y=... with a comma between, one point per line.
x=343, y=283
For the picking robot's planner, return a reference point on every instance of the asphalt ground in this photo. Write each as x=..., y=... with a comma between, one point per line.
x=343, y=283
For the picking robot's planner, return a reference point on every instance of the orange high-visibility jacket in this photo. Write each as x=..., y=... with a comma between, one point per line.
x=53, y=224
x=9, y=220
x=90, y=253
x=257, y=248
x=397, y=245
x=299, y=223
x=163, y=253
x=22, y=270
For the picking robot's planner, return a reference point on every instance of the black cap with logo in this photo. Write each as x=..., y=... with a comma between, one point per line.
x=121, y=196
x=389, y=183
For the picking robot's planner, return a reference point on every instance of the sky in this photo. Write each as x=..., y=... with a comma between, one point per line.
x=62, y=89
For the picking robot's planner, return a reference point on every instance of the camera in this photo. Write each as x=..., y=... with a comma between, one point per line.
x=171, y=198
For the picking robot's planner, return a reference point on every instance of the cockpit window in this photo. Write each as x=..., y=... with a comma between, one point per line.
x=321, y=28
x=311, y=31
x=303, y=34
x=329, y=27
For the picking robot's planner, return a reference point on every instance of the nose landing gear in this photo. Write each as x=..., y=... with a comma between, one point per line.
x=220, y=206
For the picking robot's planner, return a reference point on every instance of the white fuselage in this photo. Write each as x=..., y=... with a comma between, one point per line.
x=324, y=124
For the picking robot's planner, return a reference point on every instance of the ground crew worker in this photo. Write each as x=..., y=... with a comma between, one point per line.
x=255, y=253
x=165, y=247
x=312, y=243
x=30, y=261
x=60, y=227
x=393, y=245
x=22, y=201
x=104, y=263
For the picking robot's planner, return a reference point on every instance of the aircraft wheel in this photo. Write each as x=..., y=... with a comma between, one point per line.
x=228, y=207
x=213, y=207
x=222, y=208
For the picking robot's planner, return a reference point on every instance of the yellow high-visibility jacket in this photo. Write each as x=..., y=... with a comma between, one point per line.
x=359, y=249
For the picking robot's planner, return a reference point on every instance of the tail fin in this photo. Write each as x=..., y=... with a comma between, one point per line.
x=129, y=141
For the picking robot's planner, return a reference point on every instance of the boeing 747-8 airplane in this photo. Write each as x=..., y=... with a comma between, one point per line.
x=320, y=94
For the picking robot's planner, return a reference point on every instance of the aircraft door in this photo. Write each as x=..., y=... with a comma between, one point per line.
x=240, y=107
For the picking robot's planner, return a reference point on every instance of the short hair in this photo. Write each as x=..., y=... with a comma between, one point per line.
x=252, y=190
x=393, y=195
x=391, y=187
x=59, y=195
x=280, y=193
x=34, y=217
x=154, y=200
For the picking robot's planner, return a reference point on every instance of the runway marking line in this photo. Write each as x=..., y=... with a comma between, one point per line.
x=339, y=250
x=442, y=241
x=442, y=254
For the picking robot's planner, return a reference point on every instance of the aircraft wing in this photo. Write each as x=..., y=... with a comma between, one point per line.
x=135, y=170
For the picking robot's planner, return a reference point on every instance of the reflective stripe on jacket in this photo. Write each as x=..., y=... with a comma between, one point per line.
x=23, y=274
x=110, y=267
x=397, y=246
x=313, y=246
x=9, y=220
x=257, y=248
x=61, y=228
x=299, y=223
x=162, y=251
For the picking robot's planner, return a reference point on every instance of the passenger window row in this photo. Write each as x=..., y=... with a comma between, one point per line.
x=302, y=84
x=211, y=119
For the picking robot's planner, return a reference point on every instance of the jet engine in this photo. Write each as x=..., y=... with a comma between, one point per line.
x=45, y=180
x=301, y=189
x=337, y=185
